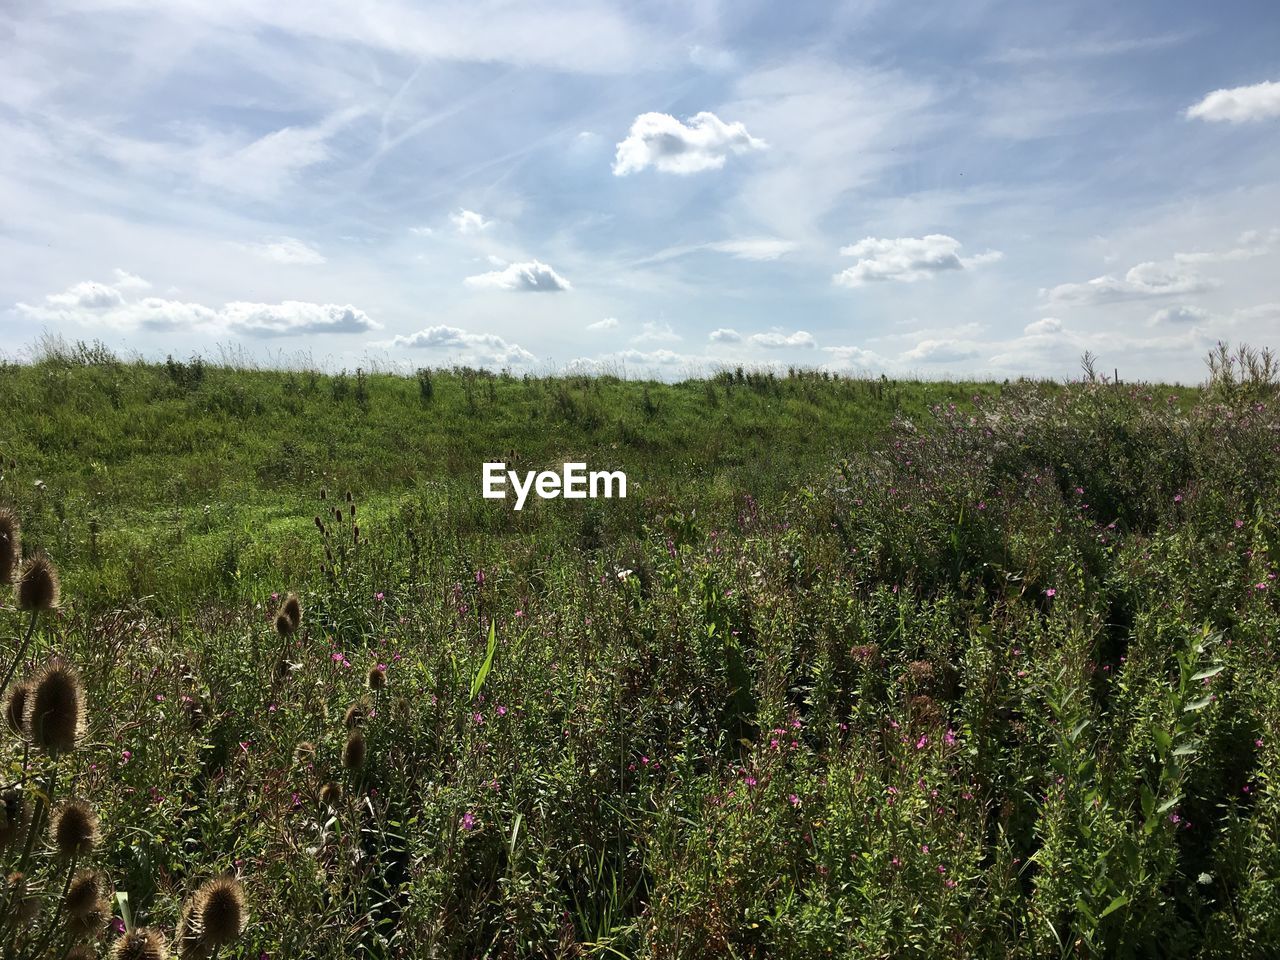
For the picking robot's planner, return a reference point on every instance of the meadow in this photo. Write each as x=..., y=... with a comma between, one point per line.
x=860, y=667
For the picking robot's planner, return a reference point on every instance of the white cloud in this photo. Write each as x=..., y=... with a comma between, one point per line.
x=776, y=340
x=851, y=356
x=294, y=317
x=758, y=248
x=468, y=222
x=1239, y=104
x=285, y=250
x=661, y=141
x=725, y=335
x=1179, y=316
x=486, y=349
x=97, y=304
x=941, y=351
x=533, y=276
x=421, y=231
x=907, y=259
x=608, y=323
x=1250, y=244
x=129, y=281
x=1045, y=327
x=653, y=332
x=1140, y=282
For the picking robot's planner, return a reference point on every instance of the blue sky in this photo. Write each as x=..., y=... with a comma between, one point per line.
x=927, y=188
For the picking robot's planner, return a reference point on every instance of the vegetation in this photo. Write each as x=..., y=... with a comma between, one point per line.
x=861, y=668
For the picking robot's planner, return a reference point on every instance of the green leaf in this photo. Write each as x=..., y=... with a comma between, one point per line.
x=1113, y=906
x=1186, y=749
x=1148, y=801
x=1211, y=672
x=483, y=673
x=1168, y=805
x=1200, y=704
x=1164, y=739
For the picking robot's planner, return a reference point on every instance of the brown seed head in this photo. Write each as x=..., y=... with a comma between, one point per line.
x=80, y=952
x=74, y=828
x=292, y=609
x=305, y=752
x=353, y=754
x=55, y=708
x=10, y=545
x=356, y=714
x=331, y=794
x=15, y=706
x=377, y=678
x=144, y=943
x=92, y=924
x=38, y=585
x=84, y=893
x=217, y=915
x=20, y=898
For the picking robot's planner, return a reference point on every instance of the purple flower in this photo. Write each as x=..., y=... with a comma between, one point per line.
x=468, y=821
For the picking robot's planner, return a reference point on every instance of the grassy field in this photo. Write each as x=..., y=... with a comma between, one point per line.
x=860, y=668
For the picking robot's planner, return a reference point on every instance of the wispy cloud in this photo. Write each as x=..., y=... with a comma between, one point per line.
x=289, y=250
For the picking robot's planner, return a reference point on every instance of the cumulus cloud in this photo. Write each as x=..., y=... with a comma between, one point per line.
x=103, y=305
x=486, y=349
x=469, y=222
x=1045, y=327
x=653, y=332
x=1250, y=244
x=1143, y=281
x=758, y=248
x=725, y=335
x=608, y=323
x=1179, y=316
x=1261, y=101
x=776, y=340
x=124, y=280
x=288, y=250
x=703, y=142
x=532, y=276
x=857, y=357
x=941, y=351
x=906, y=259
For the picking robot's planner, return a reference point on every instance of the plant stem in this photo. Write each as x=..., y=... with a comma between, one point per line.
x=22, y=649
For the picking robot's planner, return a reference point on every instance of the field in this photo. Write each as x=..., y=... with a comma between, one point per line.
x=860, y=668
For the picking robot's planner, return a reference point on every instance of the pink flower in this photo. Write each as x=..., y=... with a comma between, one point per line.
x=1239, y=524
x=468, y=821
x=502, y=711
x=795, y=800
x=1051, y=592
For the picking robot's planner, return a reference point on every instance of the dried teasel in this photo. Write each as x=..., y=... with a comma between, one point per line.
x=20, y=899
x=74, y=829
x=331, y=794
x=10, y=545
x=214, y=917
x=15, y=707
x=92, y=924
x=54, y=718
x=80, y=952
x=38, y=585
x=84, y=893
x=292, y=608
x=143, y=943
x=356, y=714
x=304, y=753
x=377, y=678
x=355, y=751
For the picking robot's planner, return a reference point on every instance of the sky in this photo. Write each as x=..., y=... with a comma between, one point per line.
x=653, y=188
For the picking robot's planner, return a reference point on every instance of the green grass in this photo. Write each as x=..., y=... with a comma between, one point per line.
x=853, y=672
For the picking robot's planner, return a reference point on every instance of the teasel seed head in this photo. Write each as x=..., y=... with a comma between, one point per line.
x=356, y=714
x=92, y=924
x=377, y=678
x=353, y=511
x=355, y=534
x=319, y=523
x=337, y=514
x=84, y=893
x=324, y=494
x=331, y=794
x=80, y=952
x=20, y=899
x=214, y=918
x=354, y=753
x=13, y=816
x=15, y=707
x=10, y=545
x=304, y=753
x=292, y=609
x=74, y=828
x=55, y=709
x=143, y=943
x=350, y=498
x=38, y=585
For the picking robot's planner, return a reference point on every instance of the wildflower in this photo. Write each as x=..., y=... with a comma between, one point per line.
x=143, y=943
x=74, y=828
x=794, y=800
x=38, y=584
x=55, y=709
x=468, y=821
x=10, y=545
x=1051, y=593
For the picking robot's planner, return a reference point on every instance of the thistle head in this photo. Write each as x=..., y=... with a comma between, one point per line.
x=331, y=794
x=354, y=753
x=377, y=678
x=15, y=706
x=54, y=708
x=143, y=943
x=84, y=893
x=215, y=916
x=38, y=585
x=74, y=829
x=10, y=545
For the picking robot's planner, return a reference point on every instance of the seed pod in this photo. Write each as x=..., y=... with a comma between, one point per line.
x=354, y=753
x=142, y=943
x=15, y=707
x=55, y=708
x=331, y=794
x=356, y=714
x=38, y=585
x=213, y=918
x=74, y=828
x=377, y=678
x=84, y=893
